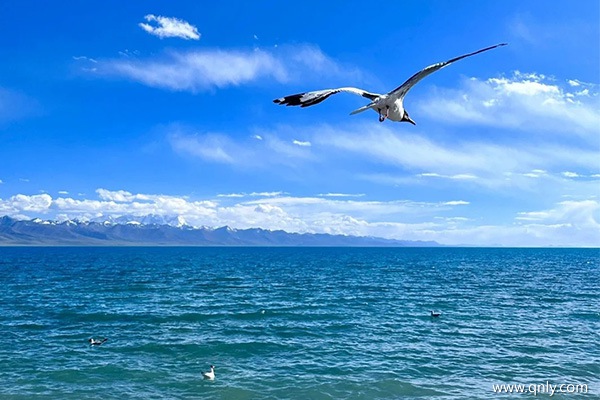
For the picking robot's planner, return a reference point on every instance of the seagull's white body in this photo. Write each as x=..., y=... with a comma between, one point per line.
x=209, y=375
x=96, y=342
x=388, y=106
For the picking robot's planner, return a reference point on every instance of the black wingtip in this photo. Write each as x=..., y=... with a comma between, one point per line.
x=292, y=100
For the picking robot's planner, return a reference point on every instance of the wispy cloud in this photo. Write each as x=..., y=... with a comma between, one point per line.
x=199, y=70
x=478, y=162
x=209, y=69
x=267, y=194
x=520, y=28
x=536, y=173
x=526, y=28
x=566, y=210
x=15, y=105
x=456, y=203
x=302, y=143
x=210, y=147
x=225, y=149
x=453, y=177
x=525, y=101
x=232, y=195
x=408, y=158
x=253, y=194
x=169, y=27
x=341, y=195
x=84, y=58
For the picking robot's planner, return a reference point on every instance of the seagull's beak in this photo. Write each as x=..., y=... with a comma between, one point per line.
x=407, y=119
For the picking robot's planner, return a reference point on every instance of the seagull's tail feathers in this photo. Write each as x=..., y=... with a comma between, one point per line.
x=364, y=108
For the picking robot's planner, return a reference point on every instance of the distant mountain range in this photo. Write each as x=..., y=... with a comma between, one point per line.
x=160, y=231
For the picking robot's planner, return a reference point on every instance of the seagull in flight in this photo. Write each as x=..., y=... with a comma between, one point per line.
x=388, y=106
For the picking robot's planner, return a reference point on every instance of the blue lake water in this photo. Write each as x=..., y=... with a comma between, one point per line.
x=296, y=323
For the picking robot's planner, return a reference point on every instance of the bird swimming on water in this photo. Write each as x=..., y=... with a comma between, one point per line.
x=96, y=342
x=388, y=106
x=211, y=374
x=435, y=314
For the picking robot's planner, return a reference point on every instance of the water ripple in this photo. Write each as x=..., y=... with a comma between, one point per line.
x=295, y=323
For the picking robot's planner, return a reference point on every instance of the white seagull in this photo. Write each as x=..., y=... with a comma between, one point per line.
x=388, y=105
x=96, y=342
x=211, y=374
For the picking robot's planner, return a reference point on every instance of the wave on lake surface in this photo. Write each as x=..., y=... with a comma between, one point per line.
x=296, y=323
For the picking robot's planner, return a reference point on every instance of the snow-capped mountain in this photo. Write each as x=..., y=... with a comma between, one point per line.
x=171, y=232
x=151, y=219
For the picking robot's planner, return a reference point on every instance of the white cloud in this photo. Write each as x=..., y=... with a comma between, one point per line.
x=569, y=223
x=456, y=203
x=536, y=173
x=411, y=151
x=20, y=203
x=84, y=58
x=576, y=212
x=169, y=27
x=253, y=194
x=302, y=143
x=407, y=158
x=207, y=69
x=472, y=162
x=525, y=101
x=200, y=70
x=266, y=194
x=232, y=195
x=341, y=195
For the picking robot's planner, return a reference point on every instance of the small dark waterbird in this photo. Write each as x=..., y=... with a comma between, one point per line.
x=96, y=342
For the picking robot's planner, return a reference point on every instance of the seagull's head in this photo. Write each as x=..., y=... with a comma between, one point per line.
x=406, y=118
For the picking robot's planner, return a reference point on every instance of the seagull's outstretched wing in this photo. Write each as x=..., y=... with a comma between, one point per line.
x=401, y=90
x=311, y=98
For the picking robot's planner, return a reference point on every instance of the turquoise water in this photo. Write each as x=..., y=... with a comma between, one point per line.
x=296, y=323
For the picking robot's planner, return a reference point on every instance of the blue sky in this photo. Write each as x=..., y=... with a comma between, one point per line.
x=112, y=108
